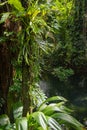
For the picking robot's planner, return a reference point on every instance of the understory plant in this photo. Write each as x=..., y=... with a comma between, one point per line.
x=51, y=114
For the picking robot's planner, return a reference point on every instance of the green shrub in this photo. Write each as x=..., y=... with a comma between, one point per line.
x=52, y=114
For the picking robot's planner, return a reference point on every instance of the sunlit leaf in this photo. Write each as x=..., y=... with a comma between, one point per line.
x=53, y=124
x=4, y=17
x=35, y=14
x=17, y=4
x=51, y=108
x=52, y=99
x=18, y=112
x=22, y=124
x=40, y=119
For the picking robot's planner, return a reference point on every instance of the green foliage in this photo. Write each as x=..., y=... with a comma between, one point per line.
x=17, y=4
x=4, y=122
x=31, y=36
x=4, y=17
x=69, y=120
x=17, y=79
x=62, y=73
x=17, y=110
x=70, y=49
x=37, y=95
x=48, y=116
x=38, y=23
x=21, y=124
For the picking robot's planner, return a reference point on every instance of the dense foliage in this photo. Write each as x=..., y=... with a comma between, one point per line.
x=47, y=116
x=26, y=28
x=71, y=41
x=40, y=37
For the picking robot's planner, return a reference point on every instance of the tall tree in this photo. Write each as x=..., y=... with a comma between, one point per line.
x=6, y=69
x=30, y=32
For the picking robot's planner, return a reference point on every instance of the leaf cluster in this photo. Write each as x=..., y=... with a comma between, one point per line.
x=47, y=116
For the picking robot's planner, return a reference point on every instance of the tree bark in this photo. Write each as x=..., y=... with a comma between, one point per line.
x=25, y=88
x=6, y=69
x=5, y=76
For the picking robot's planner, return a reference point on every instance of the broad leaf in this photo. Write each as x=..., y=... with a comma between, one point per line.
x=52, y=99
x=69, y=120
x=4, y=120
x=17, y=4
x=40, y=118
x=51, y=108
x=4, y=17
x=21, y=124
x=18, y=112
x=53, y=124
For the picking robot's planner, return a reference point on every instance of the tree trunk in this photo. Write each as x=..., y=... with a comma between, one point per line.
x=5, y=76
x=25, y=88
x=6, y=69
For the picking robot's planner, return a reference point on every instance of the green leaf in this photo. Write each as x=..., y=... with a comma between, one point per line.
x=22, y=124
x=40, y=118
x=3, y=3
x=35, y=13
x=51, y=108
x=4, y=120
x=42, y=107
x=55, y=98
x=18, y=112
x=2, y=39
x=4, y=17
x=53, y=124
x=17, y=4
x=68, y=119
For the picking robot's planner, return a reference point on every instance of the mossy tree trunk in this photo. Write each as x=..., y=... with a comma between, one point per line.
x=25, y=88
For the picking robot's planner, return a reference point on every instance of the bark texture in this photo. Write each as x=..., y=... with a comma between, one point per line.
x=5, y=76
